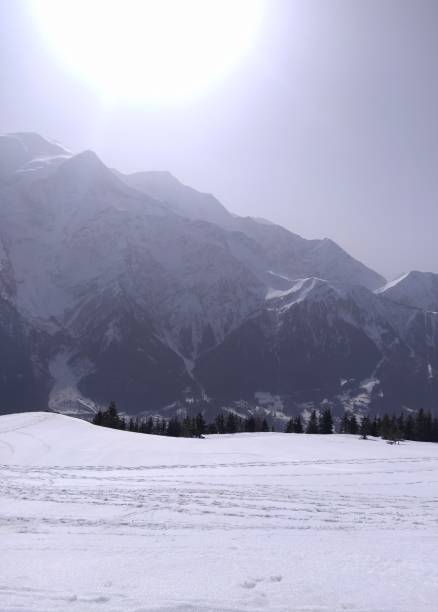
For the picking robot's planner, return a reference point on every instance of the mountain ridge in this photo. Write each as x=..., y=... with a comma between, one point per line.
x=150, y=293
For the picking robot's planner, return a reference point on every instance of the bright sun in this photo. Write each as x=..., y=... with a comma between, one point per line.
x=149, y=50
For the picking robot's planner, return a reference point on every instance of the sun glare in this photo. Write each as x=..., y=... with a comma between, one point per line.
x=149, y=50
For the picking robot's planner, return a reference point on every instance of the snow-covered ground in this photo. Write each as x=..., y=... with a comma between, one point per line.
x=94, y=519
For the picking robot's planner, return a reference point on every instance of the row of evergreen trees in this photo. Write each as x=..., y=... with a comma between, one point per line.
x=232, y=423
x=315, y=424
x=188, y=427
x=422, y=426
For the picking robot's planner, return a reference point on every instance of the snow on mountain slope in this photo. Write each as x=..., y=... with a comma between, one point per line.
x=291, y=255
x=85, y=256
x=44, y=226
x=416, y=289
x=306, y=338
x=282, y=251
x=304, y=289
x=274, y=522
x=27, y=152
x=304, y=341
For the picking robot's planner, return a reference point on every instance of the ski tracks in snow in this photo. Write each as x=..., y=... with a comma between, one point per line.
x=244, y=534
x=349, y=494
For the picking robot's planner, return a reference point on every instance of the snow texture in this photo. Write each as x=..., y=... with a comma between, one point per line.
x=96, y=519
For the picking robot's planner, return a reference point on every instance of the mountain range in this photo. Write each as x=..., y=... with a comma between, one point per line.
x=141, y=289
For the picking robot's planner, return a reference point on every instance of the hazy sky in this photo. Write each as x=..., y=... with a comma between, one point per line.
x=329, y=126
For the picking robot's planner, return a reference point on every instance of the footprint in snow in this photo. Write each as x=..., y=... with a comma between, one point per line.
x=252, y=582
x=276, y=578
x=248, y=584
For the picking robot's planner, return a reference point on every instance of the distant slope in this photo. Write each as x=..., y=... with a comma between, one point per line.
x=45, y=439
x=417, y=289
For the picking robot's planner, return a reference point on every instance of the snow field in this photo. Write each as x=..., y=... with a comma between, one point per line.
x=97, y=519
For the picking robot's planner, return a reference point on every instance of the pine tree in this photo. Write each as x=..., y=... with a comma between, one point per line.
x=212, y=428
x=199, y=425
x=220, y=423
x=352, y=425
x=365, y=428
x=435, y=430
x=345, y=424
x=109, y=418
x=112, y=416
x=419, y=428
x=290, y=428
x=326, y=422
x=250, y=425
x=174, y=427
x=231, y=423
x=265, y=426
x=298, y=425
x=385, y=427
x=401, y=424
x=428, y=426
x=394, y=434
x=149, y=425
x=374, y=428
x=408, y=433
x=312, y=425
x=98, y=418
x=188, y=427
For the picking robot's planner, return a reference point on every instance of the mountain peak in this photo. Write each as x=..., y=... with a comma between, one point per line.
x=415, y=288
x=311, y=289
x=183, y=200
x=27, y=150
x=38, y=146
x=85, y=173
x=85, y=166
x=85, y=159
x=158, y=175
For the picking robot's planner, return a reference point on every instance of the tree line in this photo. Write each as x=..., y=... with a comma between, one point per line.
x=187, y=427
x=315, y=425
x=421, y=426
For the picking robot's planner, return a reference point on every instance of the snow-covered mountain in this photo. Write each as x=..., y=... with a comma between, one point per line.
x=317, y=343
x=140, y=289
x=416, y=289
x=28, y=152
